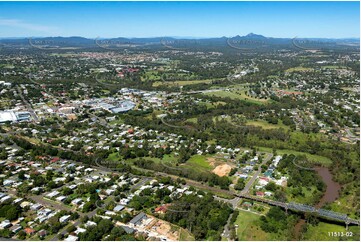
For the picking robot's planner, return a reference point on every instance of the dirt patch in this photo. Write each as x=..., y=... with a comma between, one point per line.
x=298, y=228
x=222, y=170
x=212, y=161
x=165, y=229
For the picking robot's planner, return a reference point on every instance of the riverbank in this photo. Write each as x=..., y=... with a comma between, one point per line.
x=331, y=194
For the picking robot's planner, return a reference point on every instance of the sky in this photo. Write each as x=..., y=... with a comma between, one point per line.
x=180, y=19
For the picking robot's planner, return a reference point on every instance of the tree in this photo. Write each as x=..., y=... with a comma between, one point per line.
x=52, y=185
x=84, y=219
x=6, y=233
x=89, y=206
x=22, y=235
x=271, y=186
x=49, y=175
x=233, y=171
x=67, y=191
x=21, y=175
x=12, y=213
x=240, y=184
x=71, y=228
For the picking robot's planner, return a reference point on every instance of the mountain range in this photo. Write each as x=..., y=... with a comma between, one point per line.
x=239, y=41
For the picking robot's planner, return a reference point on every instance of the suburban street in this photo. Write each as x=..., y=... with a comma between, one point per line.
x=28, y=105
x=253, y=179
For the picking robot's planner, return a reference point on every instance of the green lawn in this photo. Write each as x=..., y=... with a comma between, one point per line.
x=265, y=125
x=192, y=120
x=185, y=235
x=233, y=95
x=299, y=68
x=320, y=232
x=331, y=67
x=199, y=162
x=117, y=121
x=168, y=160
x=7, y=66
x=248, y=228
x=114, y=157
x=181, y=83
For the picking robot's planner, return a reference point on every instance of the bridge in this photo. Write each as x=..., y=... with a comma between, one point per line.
x=298, y=207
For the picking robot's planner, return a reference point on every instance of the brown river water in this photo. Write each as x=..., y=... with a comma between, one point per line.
x=331, y=194
x=333, y=188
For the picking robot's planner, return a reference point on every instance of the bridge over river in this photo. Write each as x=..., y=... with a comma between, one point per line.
x=295, y=207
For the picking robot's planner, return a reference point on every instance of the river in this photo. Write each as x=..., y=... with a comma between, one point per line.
x=333, y=188
x=331, y=194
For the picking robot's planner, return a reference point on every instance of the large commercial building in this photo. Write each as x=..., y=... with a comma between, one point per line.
x=12, y=116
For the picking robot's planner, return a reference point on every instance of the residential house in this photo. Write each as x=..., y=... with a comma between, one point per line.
x=137, y=220
x=16, y=228
x=29, y=231
x=64, y=219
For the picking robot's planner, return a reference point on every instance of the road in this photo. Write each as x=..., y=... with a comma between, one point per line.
x=28, y=105
x=234, y=202
x=77, y=222
x=102, y=121
x=49, y=203
x=143, y=181
x=58, y=206
x=226, y=232
x=14, y=145
x=253, y=179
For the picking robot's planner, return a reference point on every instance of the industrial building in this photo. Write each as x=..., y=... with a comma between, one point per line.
x=12, y=116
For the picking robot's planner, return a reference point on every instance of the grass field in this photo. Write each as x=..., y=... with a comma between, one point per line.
x=320, y=232
x=265, y=125
x=212, y=104
x=331, y=67
x=117, y=122
x=192, y=120
x=185, y=235
x=350, y=89
x=241, y=96
x=150, y=75
x=180, y=83
x=198, y=162
x=114, y=157
x=248, y=228
x=258, y=123
x=299, y=68
x=166, y=71
x=7, y=66
x=245, y=97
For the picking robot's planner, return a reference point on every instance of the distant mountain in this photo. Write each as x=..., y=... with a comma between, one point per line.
x=250, y=40
x=254, y=36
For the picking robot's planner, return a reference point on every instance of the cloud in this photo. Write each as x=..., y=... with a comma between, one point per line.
x=16, y=23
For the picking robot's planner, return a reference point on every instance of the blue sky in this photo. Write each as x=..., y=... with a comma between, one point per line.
x=187, y=19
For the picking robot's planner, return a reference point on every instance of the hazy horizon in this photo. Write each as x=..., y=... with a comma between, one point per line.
x=175, y=37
